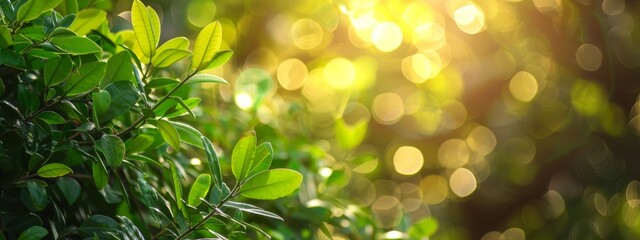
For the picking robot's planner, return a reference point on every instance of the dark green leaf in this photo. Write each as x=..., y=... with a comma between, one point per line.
x=169, y=134
x=119, y=68
x=27, y=100
x=251, y=209
x=101, y=102
x=161, y=82
x=56, y=70
x=85, y=78
x=112, y=148
x=424, y=228
x=12, y=58
x=52, y=170
x=76, y=45
x=205, y=78
x=188, y=134
x=38, y=195
x=139, y=143
x=70, y=189
x=5, y=36
x=100, y=174
x=130, y=228
x=242, y=156
x=87, y=20
x=124, y=96
x=199, y=189
x=143, y=159
x=34, y=161
x=33, y=233
x=150, y=198
x=214, y=163
x=8, y=10
x=62, y=32
x=182, y=108
x=99, y=225
x=220, y=58
x=218, y=194
x=271, y=184
x=177, y=186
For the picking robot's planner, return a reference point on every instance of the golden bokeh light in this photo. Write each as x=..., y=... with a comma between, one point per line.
x=408, y=160
x=523, y=86
x=453, y=153
x=589, y=57
x=340, y=73
x=469, y=18
x=388, y=108
x=306, y=34
x=292, y=74
x=429, y=37
x=418, y=13
x=386, y=36
x=481, y=140
x=548, y=5
x=420, y=67
x=462, y=182
x=434, y=189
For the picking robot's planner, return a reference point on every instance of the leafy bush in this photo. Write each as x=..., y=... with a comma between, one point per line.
x=90, y=145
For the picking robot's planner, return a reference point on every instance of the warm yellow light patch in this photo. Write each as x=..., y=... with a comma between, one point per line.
x=306, y=34
x=388, y=108
x=292, y=74
x=408, y=160
x=386, y=36
x=463, y=182
x=523, y=86
x=340, y=73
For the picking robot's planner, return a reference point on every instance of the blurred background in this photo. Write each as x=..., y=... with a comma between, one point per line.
x=492, y=119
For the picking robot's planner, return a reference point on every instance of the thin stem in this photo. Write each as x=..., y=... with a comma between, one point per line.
x=210, y=215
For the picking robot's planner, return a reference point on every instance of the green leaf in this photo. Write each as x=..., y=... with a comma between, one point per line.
x=272, y=184
x=100, y=174
x=150, y=198
x=177, y=186
x=214, y=162
x=146, y=26
x=84, y=78
x=112, y=148
x=99, y=225
x=52, y=170
x=5, y=37
x=27, y=100
x=33, y=233
x=220, y=58
x=12, y=58
x=161, y=82
x=242, y=156
x=87, y=20
x=38, y=195
x=119, y=68
x=169, y=56
x=218, y=194
x=70, y=189
x=34, y=161
x=188, y=134
x=261, y=158
x=199, y=189
x=67, y=7
x=139, y=143
x=206, y=46
x=101, y=101
x=76, y=45
x=56, y=70
x=178, y=106
x=251, y=209
x=350, y=136
x=123, y=97
x=206, y=78
x=8, y=10
x=423, y=228
x=32, y=9
x=130, y=228
x=169, y=133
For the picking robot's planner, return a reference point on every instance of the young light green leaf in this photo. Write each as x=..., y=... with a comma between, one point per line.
x=251, y=209
x=271, y=184
x=101, y=101
x=33, y=233
x=52, y=170
x=423, y=228
x=188, y=134
x=124, y=96
x=242, y=156
x=119, y=68
x=87, y=20
x=112, y=147
x=57, y=69
x=219, y=59
x=76, y=45
x=350, y=136
x=139, y=143
x=177, y=186
x=261, y=158
x=32, y=9
x=206, y=46
x=146, y=26
x=85, y=78
x=169, y=133
x=199, y=189
x=100, y=174
x=161, y=82
x=169, y=56
x=214, y=162
x=67, y=7
x=206, y=78
x=181, y=43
